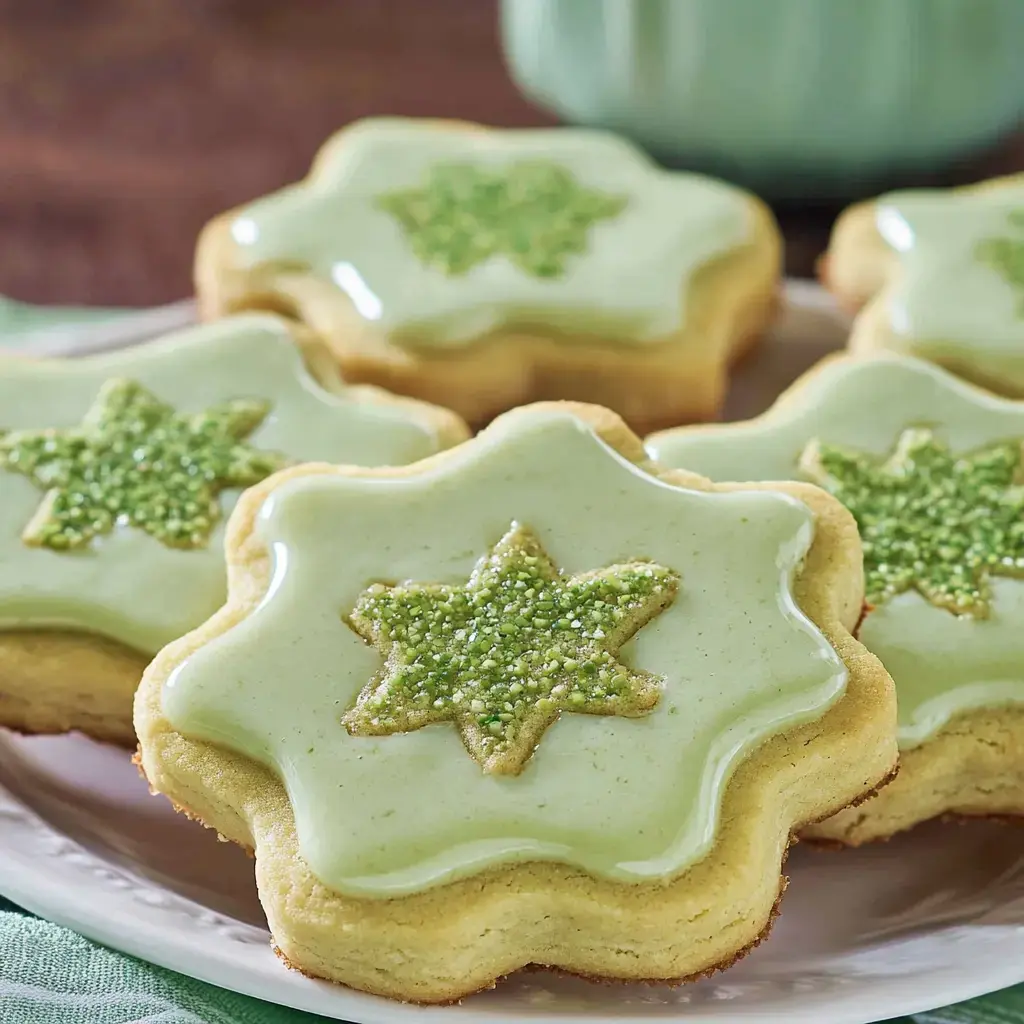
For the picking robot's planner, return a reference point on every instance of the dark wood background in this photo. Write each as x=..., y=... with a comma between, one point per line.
x=126, y=124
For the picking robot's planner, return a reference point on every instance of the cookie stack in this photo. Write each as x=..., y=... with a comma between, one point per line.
x=548, y=694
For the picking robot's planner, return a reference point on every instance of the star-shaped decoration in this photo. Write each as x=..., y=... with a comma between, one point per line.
x=504, y=654
x=1006, y=256
x=533, y=212
x=929, y=520
x=135, y=461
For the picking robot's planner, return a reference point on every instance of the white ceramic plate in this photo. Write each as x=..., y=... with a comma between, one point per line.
x=923, y=921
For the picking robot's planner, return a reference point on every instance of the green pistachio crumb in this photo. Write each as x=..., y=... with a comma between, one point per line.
x=929, y=520
x=441, y=642
x=1005, y=255
x=533, y=212
x=134, y=461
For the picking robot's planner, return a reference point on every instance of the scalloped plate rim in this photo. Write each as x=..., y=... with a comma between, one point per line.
x=138, y=916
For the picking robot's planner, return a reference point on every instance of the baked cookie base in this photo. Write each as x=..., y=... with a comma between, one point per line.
x=53, y=682
x=974, y=767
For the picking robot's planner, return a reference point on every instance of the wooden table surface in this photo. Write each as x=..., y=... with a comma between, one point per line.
x=126, y=124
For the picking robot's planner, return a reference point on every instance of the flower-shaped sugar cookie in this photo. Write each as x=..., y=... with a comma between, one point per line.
x=940, y=276
x=483, y=269
x=115, y=474
x=531, y=701
x=932, y=470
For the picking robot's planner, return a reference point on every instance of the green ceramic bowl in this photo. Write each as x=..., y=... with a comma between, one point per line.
x=790, y=97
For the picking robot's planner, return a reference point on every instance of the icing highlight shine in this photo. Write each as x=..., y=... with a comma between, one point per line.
x=930, y=521
x=135, y=461
x=533, y=212
x=504, y=654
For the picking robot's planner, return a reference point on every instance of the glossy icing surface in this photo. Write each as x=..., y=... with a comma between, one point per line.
x=669, y=226
x=625, y=798
x=958, y=298
x=127, y=585
x=942, y=663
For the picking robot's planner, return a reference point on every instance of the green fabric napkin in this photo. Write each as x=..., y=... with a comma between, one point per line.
x=1005, y=1007
x=49, y=975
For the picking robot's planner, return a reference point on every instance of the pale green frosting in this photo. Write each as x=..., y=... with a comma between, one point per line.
x=942, y=664
x=129, y=586
x=629, y=284
x=630, y=799
x=949, y=304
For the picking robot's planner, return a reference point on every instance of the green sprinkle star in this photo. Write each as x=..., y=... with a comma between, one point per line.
x=135, y=461
x=929, y=520
x=1006, y=256
x=505, y=653
x=534, y=212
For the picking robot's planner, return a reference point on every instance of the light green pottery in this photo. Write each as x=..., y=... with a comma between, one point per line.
x=795, y=98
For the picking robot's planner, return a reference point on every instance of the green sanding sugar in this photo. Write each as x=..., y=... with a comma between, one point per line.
x=534, y=213
x=930, y=520
x=505, y=653
x=1005, y=255
x=135, y=461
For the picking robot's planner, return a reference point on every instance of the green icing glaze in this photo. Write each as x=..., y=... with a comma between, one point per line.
x=929, y=520
x=127, y=584
x=1005, y=255
x=942, y=663
x=134, y=461
x=534, y=213
x=957, y=299
x=503, y=655
x=626, y=798
x=559, y=230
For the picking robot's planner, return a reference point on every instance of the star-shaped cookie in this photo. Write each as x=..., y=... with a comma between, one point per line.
x=542, y=568
x=115, y=473
x=494, y=268
x=931, y=468
x=938, y=274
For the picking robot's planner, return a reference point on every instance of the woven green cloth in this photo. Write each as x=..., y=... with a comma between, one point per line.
x=1002, y=1008
x=49, y=975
